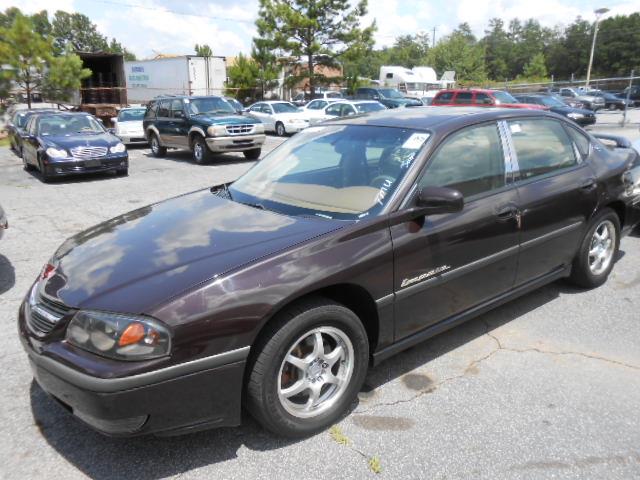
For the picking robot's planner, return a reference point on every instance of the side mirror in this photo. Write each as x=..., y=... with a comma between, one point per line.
x=112, y=131
x=114, y=120
x=437, y=200
x=376, y=97
x=178, y=114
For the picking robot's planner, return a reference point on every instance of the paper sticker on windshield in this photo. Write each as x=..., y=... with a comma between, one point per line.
x=515, y=127
x=415, y=141
x=186, y=100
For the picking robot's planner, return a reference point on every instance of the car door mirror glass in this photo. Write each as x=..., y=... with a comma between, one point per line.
x=437, y=200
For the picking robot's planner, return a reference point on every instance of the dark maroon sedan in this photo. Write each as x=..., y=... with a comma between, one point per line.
x=350, y=242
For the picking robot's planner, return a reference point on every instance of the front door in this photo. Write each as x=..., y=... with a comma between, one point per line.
x=557, y=194
x=178, y=127
x=449, y=263
x=163, y=121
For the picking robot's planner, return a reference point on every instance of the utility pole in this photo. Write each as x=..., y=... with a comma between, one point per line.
x=599, y=12
x=433, y=41
x=624, y=115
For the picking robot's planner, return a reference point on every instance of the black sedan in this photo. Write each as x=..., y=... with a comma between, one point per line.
x=579, y=115
x=611, y=101
x=15, y=127
x=63, y=144
x=352, y=241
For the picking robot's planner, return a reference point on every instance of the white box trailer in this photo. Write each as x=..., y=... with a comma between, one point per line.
x=416, y=82
x=185, y=75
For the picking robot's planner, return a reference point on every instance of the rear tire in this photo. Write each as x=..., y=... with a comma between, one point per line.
x=325, y=375
x=252, y=154
x=27, y=166
x=598, y=251
x=157, y=150
x=201, y=153
x=46, y=178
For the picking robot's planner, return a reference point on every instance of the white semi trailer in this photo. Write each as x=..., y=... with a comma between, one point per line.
x=417, y=82
x=185, y=75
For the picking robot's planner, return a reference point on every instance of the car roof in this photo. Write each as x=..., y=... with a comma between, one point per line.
x=438, y=118
x=472, y=90
x=180, y=97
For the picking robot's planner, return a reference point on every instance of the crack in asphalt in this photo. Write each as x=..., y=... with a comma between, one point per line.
x=478, y=361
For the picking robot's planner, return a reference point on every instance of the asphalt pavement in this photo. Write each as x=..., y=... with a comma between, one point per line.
x=546, y=386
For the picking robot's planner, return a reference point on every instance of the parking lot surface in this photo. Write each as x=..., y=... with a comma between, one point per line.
x=547, y=386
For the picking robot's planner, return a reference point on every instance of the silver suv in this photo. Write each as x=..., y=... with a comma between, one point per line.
x=590, y=102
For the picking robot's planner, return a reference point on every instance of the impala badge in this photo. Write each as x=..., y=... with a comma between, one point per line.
x=410, y=281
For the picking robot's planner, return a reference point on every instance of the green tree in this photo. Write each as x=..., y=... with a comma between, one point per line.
x=116, y=47
x=243, y=77
x=39, y=20
x=497, y=50
x=317, y=31
x=618, y=48
x=460, y=52
x=203, y=50
x=76, y=31
x=266, y=61
x=409, y=50
x=31, y=64
x=536, y=68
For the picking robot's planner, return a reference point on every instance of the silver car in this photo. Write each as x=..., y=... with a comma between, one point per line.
x=128, y=126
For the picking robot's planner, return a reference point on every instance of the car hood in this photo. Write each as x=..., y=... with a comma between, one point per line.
x=566, y=110
x=143, y=258
x=225, y=119
x=130, y=125
x=407, y=102
x=80, y=140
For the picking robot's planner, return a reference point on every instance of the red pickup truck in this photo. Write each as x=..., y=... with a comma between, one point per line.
x=480, y=98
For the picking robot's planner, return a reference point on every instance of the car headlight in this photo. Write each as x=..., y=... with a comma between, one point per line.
x=117, y=336
x=258, y=128
x=217, y=130
x=56, y=152
x=575, y=115
x=118, y=148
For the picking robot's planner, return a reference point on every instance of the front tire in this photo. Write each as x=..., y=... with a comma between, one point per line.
x=280, y=130
x=252, y=154
x=201, y=153
x=308, y=368
x=157, y=150
x=598, y=250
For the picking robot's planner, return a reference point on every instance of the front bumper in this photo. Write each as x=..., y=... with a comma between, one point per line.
x=70, y=166
x=236, y=143
x=182, y=398
x=133, y=139
x=584, y=121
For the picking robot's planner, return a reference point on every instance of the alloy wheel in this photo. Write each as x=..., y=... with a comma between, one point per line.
x=315, y=372
x=154, y=145
x=602, y=247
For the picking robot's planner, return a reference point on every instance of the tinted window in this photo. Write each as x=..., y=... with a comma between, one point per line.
x=470, y=161
x=131, y=115
x=284, y=107
x=176, y=107
x=542, y=147
x=483, y=99
x=369, y=107
x=504, y=97
x=347, y=110
x=334, y=110
x=581, y=141
x=444, y=98
x=463, y=98
x=152, y=110
x=163, y=108
x=256, y=108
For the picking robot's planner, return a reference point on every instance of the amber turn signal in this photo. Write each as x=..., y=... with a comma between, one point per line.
x=132, y=334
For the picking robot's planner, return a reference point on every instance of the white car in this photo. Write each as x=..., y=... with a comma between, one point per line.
x=279, y=117
x=315, y=108
x=128, y=125
x=346, y=108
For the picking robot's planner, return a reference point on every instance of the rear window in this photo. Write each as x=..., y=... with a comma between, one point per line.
x=483, y=99
x=151, y=110
x=163, y=108
x=443, y=98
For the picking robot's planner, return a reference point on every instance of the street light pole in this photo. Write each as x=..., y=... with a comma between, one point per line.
x=599, y=12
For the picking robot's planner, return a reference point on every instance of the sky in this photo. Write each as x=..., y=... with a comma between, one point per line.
x=150, y=27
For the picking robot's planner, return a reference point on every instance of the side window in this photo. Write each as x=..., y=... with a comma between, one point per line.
x=176, y=108
x=463, y=98
x=334, y=110
x=542, y=147
x=267, y=109
x=483, y=99
x=151, y=111
x=163, y=109
x=256, y=108
x=347, y=110
x=471, y=161
x=444, y=98
x=580, y=140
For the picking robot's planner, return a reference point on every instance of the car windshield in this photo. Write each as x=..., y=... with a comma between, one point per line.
x=369, y=107
x=131, y=115
x=65, y=125
x=552, y=102
x=333, y=171
x=203, y=106
x=234, y=103
x=390, y=93
x=284, y=107
x=504, y=97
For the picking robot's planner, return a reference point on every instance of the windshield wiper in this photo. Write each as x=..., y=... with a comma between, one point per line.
x=259, y=206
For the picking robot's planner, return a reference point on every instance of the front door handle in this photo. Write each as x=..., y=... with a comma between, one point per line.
x=508, y=212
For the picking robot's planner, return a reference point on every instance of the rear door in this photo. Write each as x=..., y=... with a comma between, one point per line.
x=557, y=194
x=447, y=264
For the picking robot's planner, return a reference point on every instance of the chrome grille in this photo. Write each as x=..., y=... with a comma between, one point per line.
x=44, y=314
x=239, y=129
x=88, y=152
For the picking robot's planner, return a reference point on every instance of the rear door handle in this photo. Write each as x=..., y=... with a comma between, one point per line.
x=589, y=185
